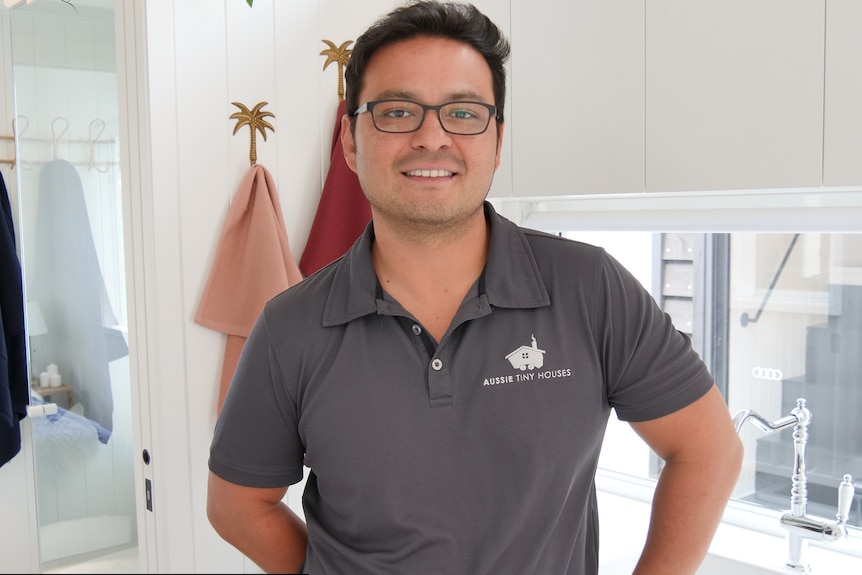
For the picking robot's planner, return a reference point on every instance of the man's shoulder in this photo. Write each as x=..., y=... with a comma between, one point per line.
x=549, y=244
x=303, y=300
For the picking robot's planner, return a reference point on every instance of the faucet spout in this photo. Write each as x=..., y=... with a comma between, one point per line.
x=761, y=422
x=802, y=528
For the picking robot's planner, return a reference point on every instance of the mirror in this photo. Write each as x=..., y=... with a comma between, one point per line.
x=66, y=126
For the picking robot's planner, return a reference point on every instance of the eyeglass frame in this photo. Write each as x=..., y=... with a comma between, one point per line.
x=369, y=106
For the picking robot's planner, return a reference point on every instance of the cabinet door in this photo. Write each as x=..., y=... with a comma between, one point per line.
x=842, y=146
x=734, y=94
x=576, y=114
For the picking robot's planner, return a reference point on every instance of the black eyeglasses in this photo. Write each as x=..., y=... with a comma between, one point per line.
x=403, y=116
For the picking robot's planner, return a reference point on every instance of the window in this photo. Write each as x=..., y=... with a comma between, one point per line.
x=773, y=304
x=789, y=311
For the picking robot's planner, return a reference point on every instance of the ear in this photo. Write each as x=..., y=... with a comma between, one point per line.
x=499, y=144
x=348, y=143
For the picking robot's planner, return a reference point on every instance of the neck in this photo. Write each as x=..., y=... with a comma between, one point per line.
x=430, y=274
x=405, y=252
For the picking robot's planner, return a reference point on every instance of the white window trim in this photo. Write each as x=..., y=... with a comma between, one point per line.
x=825, y=209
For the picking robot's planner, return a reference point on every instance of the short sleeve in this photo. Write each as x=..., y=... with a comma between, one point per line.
x=256, y=440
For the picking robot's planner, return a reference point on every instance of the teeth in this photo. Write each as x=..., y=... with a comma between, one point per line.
x=430, y=173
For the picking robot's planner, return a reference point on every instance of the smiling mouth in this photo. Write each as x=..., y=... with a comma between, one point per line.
x=430, y=173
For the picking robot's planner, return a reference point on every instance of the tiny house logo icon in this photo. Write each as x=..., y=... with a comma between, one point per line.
x=525, y=357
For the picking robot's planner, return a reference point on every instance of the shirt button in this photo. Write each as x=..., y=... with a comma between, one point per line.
x=417, y=329
x=437, y=364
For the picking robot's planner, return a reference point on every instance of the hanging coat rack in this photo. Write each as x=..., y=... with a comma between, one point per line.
x=40, y=153
x=340, y=55
x=254, y=119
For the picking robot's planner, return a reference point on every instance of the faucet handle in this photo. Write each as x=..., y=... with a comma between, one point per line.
x=845, y=498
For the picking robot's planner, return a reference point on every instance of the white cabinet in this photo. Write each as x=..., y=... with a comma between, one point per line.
x=734, y=94
x=842, y=146
x=576, y=112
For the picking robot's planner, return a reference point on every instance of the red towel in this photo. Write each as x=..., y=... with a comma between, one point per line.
x=252, y=264
x=342, y=213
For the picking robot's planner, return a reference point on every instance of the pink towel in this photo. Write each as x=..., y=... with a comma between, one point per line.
x=252, y=264
x=343, y=211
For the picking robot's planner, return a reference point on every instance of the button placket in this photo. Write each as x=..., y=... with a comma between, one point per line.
x=440, y=380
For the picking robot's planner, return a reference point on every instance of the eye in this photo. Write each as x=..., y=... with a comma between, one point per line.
x=462, y=113
x=395, y=110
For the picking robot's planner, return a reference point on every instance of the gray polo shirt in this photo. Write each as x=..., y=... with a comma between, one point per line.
x=473, y=455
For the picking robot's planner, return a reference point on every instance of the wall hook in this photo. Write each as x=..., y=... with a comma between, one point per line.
x=55, y=137
x=254, y=118
x=97, y=126
x=17, y=133
x=339, y=55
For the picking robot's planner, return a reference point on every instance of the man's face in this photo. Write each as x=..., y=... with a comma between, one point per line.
x=428, y=177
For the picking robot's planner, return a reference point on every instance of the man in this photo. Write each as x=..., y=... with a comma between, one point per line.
x=448, y=381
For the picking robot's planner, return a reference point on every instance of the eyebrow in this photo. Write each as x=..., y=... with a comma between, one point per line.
x=408, y=95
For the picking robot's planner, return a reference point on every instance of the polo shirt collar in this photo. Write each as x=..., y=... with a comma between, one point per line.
x=511, y=278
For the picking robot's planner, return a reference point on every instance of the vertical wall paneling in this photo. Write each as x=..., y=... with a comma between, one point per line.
x=222, y=56
x=167, y=317
x=297, y=142
x=130, y=38
x=249, y=77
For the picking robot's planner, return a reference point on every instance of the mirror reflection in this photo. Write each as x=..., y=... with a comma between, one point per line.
x=71, y=229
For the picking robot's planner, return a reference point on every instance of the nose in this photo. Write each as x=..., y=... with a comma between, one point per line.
x=431, y=133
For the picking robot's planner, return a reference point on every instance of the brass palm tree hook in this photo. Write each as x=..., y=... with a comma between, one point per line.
x=339, y=55
x=254, y=118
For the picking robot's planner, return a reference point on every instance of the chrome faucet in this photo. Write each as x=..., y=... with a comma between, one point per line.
x=801, y=527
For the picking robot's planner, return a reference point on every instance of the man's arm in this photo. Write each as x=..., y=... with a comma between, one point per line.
x=258, y=523
x=703, y=458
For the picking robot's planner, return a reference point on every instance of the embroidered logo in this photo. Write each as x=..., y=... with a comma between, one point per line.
x=530, y=360
x=525, y=358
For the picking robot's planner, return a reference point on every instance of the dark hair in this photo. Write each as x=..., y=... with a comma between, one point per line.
x=456, y=21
